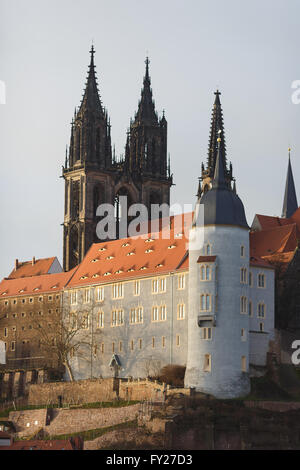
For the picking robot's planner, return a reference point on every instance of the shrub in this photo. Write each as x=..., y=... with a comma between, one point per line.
x=172, y=375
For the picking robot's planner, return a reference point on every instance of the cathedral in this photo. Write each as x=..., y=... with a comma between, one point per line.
x=134, y=304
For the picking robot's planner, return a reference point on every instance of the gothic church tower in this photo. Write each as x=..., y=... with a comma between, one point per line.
x=94, y=176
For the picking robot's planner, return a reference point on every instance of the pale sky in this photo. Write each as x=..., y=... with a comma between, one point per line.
x=249, y=50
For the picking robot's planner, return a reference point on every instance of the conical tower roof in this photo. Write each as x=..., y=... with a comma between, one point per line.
x=290, y=204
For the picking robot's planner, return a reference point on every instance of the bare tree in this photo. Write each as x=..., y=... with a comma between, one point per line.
x=61, y=337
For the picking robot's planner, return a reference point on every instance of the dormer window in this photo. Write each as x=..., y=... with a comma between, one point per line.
x=84, y=277
x=130, y=270
x=95, y=260
x=95, y=275
x=102, y=249
x=131, y=253
x=150, y=250
x=110, y=257
x=119, y=271
x=125, y=244
x=171, y=247
x=149, y=240
x=107, y=274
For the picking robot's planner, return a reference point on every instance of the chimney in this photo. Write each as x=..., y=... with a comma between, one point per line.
x=33, y=260
x=16, y=264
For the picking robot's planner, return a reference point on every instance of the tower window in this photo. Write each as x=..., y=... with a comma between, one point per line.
x=207, y=250
x=243, y=334
x=250, y=279
x=163, y=341
x=243, y=276
x=207, y=363
x=178, y=340
x=205, y=302
x=250, y=308
x=242, y=251
x=261, y=280
x=244, y=364
x=243, y=304
x=206, y=333
x=205, y=272
x=261, y=310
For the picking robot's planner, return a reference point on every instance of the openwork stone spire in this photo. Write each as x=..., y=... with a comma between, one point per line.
x=90, y=141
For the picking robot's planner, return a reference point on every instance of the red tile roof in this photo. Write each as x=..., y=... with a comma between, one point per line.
x=209, y=259
x=268, y=222
x=28, y=268
x=34, y=284
x=134, y=257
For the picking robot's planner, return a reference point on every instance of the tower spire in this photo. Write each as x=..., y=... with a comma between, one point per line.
x=91, y=98
x=146, y=110
x=290, y=204
x=219, y=181
x=216, y=125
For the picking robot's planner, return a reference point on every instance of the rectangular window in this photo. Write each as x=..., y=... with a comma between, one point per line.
x=100, y=319
x=86, y=296
x=113, y=347
x=163, y=284
x=5, y=332
x=85, y=321
x=244, y=364
x=206, y=333
x=163, y=341
x=250, y=279
x=140, y=343
x=242, y=251
x=261, y=327
x=102, y=348
x=131, y=345
x=261, y=280
x=180, y=311
x=117, y=317
x=163, y=313
x=50, y=298
x=250, y=308
x=153, y=342
x=177, y=340
x=13, y=346
x=73, y=297
x=155, y=313
x=207, y=363
x=99, y=294
x=181, y=281
x=118, y=290
x=136, y=315
x=73, y=321
x=136, y=288
x=155, y=286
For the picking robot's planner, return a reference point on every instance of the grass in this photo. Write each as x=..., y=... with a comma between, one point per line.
x=88, y=435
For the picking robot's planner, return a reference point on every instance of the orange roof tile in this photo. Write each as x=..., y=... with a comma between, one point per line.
x=28, y=268
x=34, y=284
x=268, y=222
x=276, y=240
x=134, y=257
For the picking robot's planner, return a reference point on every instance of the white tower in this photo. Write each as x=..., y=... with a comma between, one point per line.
x=218, y=324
